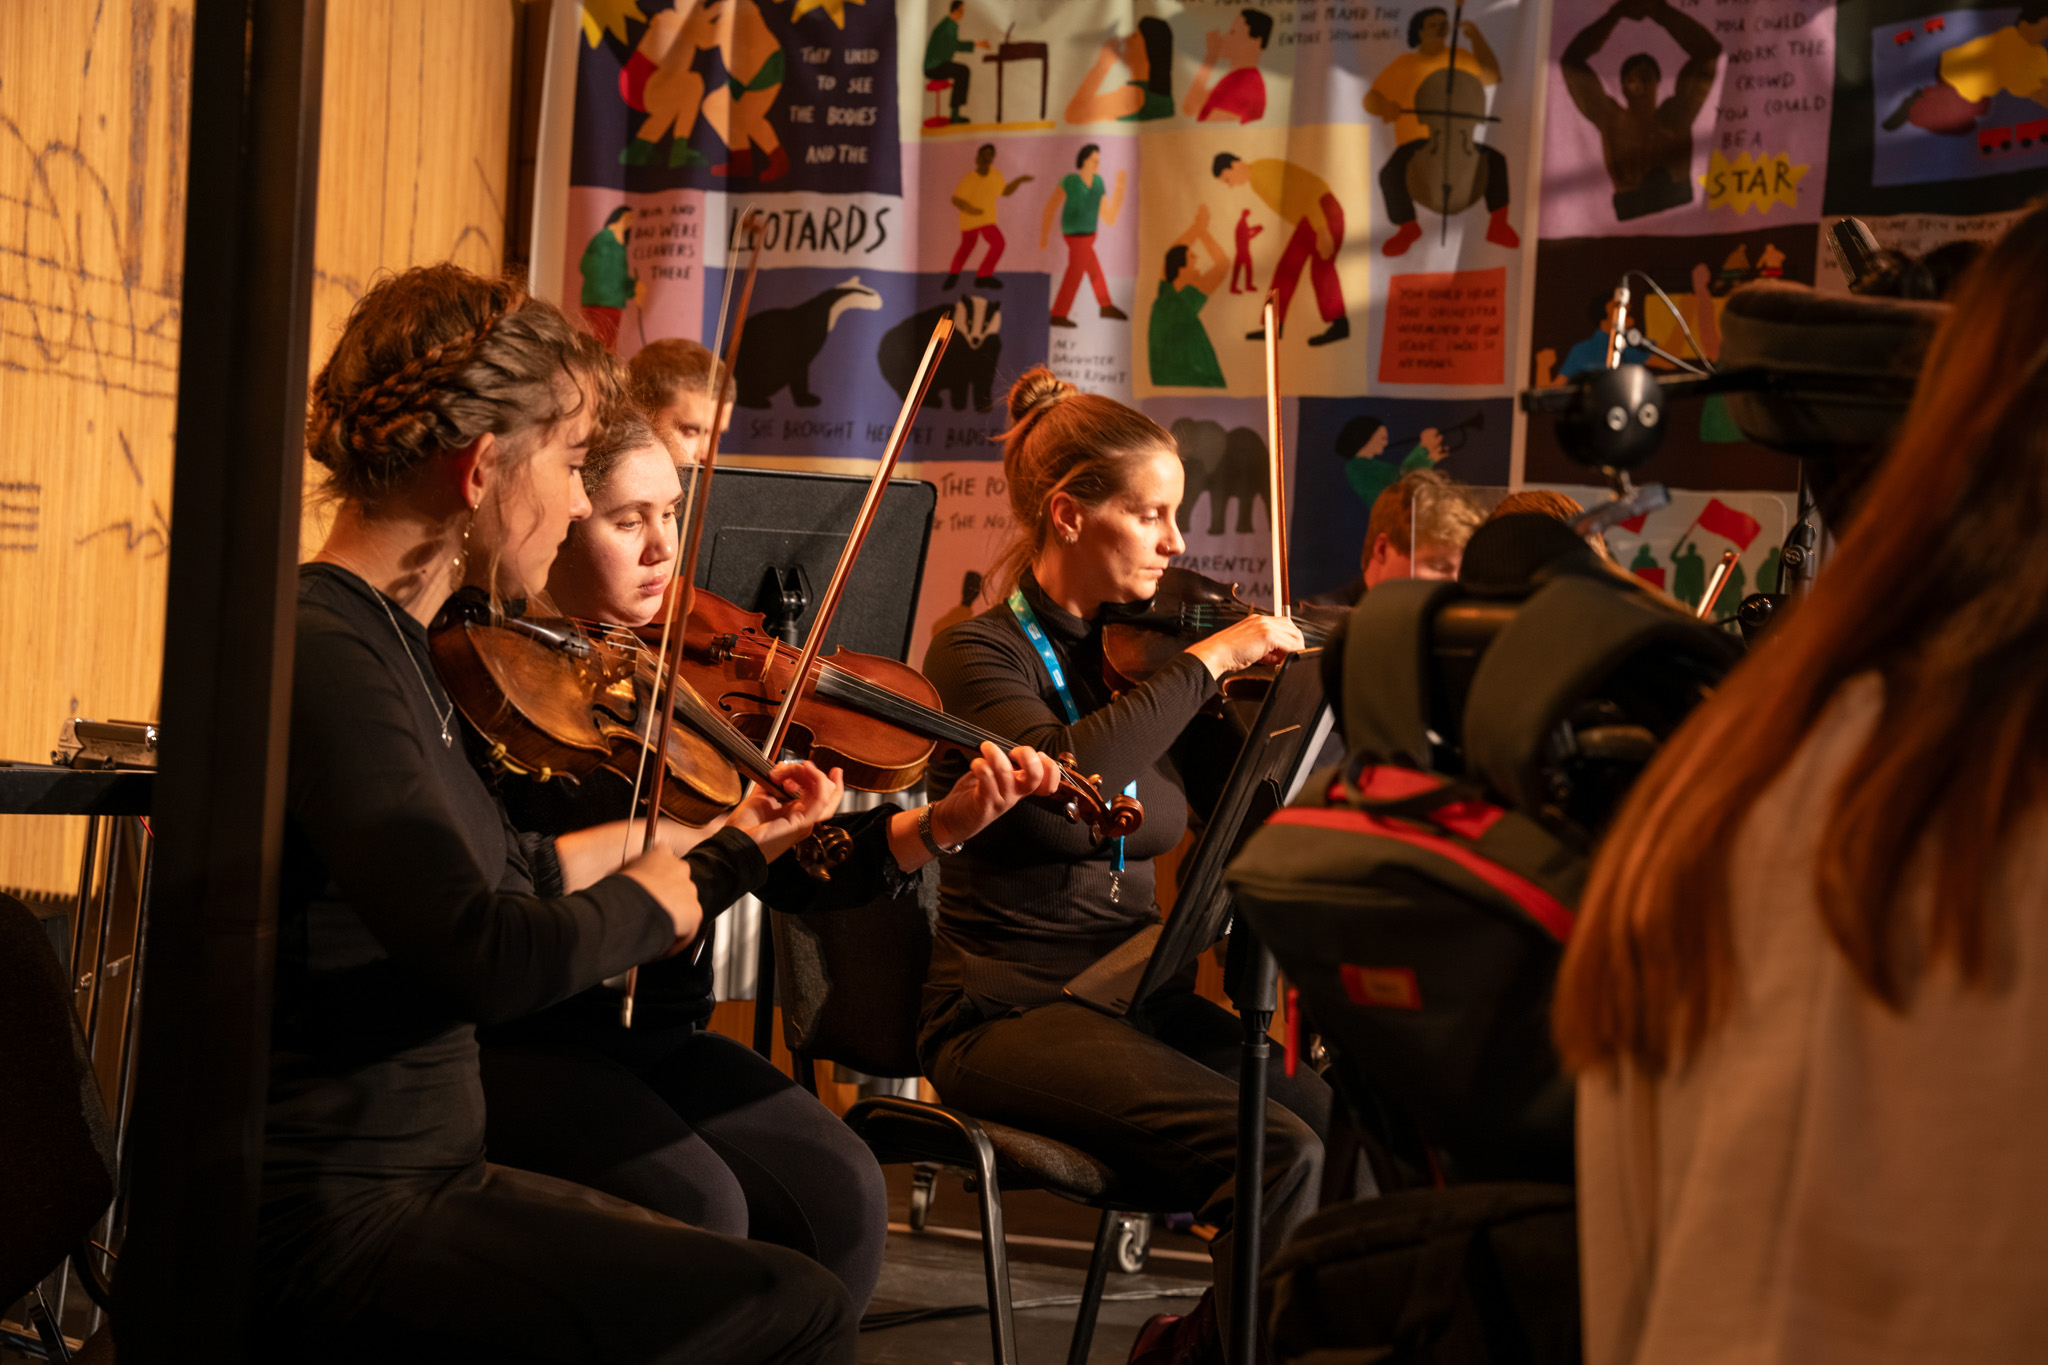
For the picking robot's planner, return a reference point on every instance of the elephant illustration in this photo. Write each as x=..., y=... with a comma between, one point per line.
x=781, y=343
x=970, y=363
x=1224, y=465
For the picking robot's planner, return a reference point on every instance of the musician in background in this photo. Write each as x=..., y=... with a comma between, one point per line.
x=671, y=381
x=668, y=1114
x=452, y=418
x=1553, y=504
x=1807, y=995
x=1417, y=529
x=1392, y=100
x=1034, y=899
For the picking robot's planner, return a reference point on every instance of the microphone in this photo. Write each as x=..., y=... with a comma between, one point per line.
x=1857, y=253
x=1617, y=335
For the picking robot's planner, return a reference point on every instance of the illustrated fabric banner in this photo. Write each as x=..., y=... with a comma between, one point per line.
x=1113, y=188
x=1106, y=188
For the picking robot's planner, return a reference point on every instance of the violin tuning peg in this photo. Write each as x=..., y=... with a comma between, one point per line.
x=1066, y=760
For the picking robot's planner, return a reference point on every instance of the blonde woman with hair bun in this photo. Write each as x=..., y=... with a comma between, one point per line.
x=1034, y=899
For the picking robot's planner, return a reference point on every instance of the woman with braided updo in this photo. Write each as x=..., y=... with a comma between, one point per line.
x=452, y=418
x=1029, y=903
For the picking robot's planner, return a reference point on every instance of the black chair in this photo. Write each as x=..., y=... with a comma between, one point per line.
x=58, y=1178
x=850, y=983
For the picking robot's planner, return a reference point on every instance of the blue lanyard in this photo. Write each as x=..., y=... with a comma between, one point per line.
x=1035, y=633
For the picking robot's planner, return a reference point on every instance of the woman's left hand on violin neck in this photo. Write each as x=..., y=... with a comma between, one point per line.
x=992, y=784
x=776, y=821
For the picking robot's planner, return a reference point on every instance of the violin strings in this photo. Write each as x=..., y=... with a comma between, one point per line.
x=835, y=682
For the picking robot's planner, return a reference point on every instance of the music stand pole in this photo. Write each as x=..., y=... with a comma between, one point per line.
x=1257, y=995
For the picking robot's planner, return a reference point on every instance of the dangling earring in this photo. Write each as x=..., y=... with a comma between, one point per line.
x=461, y=560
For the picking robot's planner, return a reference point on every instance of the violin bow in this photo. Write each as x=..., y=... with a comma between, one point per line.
x=685, y=568
x=814, y=644
x=1276, y=447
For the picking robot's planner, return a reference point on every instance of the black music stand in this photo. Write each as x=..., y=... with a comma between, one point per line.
x=1291, y=727
x=771, y=540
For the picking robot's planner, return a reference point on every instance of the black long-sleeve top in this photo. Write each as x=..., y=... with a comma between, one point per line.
x=1026, y=904
x=675, y=993
x=408, y=914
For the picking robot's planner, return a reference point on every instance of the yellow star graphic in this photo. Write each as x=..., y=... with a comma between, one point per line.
x=1760, y=183
x=835, y=10
x=608, y=16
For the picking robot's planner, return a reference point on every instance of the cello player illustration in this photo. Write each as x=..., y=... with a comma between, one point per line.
x=1435, y=106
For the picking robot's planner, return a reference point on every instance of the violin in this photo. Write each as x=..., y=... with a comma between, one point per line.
x=551, y=702
x=1188, y=607
x=876, y=719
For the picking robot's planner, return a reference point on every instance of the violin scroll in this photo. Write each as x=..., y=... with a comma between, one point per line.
x=1116, y=819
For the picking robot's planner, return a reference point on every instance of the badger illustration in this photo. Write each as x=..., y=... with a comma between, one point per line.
x=780, y=344
x=971, y=357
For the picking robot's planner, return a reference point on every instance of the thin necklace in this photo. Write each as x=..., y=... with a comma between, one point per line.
x=447, y=736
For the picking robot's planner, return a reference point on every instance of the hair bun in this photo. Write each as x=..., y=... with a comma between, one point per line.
x=1037, y=387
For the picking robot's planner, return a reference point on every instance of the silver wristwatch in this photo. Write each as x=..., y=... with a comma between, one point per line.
x=924, y=832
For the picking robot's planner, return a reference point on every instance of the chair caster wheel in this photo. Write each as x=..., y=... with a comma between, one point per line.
x=1133, y=1241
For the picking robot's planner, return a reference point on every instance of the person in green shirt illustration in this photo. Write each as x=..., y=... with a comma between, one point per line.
x=1179, y=344
x=1077, y=201
x=1362, y=445
x=942, y=56
x=608, y=280
x=1148, y=54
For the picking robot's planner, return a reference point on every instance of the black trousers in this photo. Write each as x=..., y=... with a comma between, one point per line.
x=698, y=1127
x=1394, y=180
x=1160, y=1098
x=956, y=73
x=512, y=1268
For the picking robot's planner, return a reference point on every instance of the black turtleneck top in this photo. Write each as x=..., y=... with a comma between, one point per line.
x=407, y=915
x=1027, y=903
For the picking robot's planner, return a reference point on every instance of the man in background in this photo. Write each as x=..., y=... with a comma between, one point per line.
x=671, y=381
x=1417, y=529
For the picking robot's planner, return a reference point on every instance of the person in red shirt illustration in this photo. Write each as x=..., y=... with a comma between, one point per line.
x=1241, y=93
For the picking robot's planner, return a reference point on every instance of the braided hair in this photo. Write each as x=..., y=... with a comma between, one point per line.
x=1062, y=440
x=434, y=357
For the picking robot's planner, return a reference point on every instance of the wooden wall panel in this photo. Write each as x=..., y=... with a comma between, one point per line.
x=415, y=127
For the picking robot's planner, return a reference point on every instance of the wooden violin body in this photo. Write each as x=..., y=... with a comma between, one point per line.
x=743, y=672
x=553, y=703
x=876, y=719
